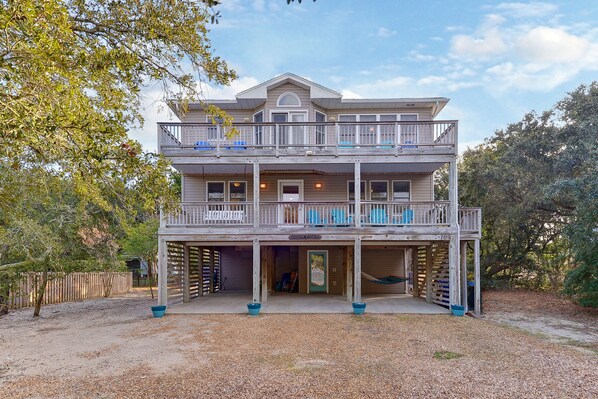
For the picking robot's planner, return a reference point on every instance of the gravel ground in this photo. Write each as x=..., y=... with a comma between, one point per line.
x=112, y=348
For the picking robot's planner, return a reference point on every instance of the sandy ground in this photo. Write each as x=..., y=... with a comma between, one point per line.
x=113, y=348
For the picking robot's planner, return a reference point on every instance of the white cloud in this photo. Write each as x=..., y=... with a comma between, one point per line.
x=229, y=92
x=551, y=45
x=350, y=94
x=417, y=56
x=485, y=42
x=432, y=81
x=385, y=32
x=526, y=10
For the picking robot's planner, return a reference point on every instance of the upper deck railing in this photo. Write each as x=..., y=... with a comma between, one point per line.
x=286, y=138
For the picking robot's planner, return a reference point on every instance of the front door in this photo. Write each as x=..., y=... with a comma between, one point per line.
x=290, y=197
x=317, y=263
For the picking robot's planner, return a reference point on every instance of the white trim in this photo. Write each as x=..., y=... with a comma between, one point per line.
x=285, y=94
x=300, y=216
x=365, y=190
x=237, y=181
x=370, y=189
x=223, y=193
x=392, y=189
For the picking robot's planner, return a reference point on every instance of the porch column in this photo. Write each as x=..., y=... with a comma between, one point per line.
x=429, y=273
x=256, y=195
x=256, y=271
x=349, y=261
x=357, y=185
x=454, y=286
x=211, y=278
x=357, y=270
x=477, y=279
x=464, y=274
x=186, y=288
x=415, y=271
x=453, y=193
x=162, y=272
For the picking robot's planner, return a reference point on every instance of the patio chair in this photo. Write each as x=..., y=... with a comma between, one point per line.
x=202, y=145
x=313, y=218
x=408, y=146
x=345, y=144
x=238, y=145
x=378, y=216
x=407, y=216
x=339, y=218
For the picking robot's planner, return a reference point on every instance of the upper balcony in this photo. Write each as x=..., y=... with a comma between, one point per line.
x=323, y=139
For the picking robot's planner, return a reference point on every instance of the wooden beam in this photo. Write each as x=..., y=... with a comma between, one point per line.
x=186, y=268
x=357, y=193
x=454, y=286
x=463, y=254
x=357, y=271
x=477, y=279
x=162, y=272
x=211, y=290
x=256, y=271
x=453, y=193
x=256, y=195
x=429, y=273
x=415, y=270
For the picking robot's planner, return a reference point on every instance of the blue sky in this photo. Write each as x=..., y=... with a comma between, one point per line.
x=494, y=60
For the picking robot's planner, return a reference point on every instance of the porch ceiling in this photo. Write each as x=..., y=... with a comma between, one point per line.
x=329, y=168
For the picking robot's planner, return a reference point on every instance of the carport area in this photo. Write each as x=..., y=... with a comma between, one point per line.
x=236, y=302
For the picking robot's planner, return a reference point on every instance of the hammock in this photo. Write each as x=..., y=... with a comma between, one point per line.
x=385, y=279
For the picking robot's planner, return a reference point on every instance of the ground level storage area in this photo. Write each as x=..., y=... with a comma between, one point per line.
x=302, y=277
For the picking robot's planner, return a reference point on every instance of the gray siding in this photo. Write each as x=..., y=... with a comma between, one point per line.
x=381, y=262
x=302, y=93
x=334, y=186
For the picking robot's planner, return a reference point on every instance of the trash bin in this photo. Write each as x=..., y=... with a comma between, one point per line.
x=471, y=295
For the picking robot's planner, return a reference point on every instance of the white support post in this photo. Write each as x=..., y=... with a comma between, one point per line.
x=162, y=272
x=477, y=279
x=415, y=271
x=186, y=280
x=454, y=286
x=256, y=271
x=357, y=195
x=350, y=262
x=453, y=193
x=211, y=290
x=357, y=271
x=463, y=254
x=256, y=195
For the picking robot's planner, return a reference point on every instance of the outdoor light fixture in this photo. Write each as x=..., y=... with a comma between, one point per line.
x=237, y=184
x=318, y=185
x=263, y=186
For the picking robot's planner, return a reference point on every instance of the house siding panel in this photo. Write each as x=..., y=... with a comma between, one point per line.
x=302, y=93
x=237, y=268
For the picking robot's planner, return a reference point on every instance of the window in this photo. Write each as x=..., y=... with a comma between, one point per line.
x=351, y=190
x=378, y=190
x=237, y=191
x=401, y=190
x=258, y=131
x=288, y=100
x=215, y=191
x=320, y=129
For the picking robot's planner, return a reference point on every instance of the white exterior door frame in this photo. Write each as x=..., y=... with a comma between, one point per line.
x=283, y=209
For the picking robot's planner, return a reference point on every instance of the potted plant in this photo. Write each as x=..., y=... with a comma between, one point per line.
x=254, y=308
x=358, y=308
x=158, y=311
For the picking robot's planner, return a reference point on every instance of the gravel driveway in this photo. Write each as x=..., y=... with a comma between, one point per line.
x=112, y=348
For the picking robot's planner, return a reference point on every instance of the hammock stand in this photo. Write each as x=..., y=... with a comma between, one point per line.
x=386, y=279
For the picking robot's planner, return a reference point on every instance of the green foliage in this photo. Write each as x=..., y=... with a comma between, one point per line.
x=446, y=355
x=536, y=182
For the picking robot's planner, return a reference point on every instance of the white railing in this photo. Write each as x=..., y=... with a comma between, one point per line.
x=338, y=136
x=470, y=220
x=310, y=214
x=432, y=213
x=211, y=214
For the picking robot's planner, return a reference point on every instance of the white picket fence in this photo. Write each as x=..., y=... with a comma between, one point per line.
x=68, y=287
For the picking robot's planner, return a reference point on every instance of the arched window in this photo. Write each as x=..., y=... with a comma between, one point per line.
x=288, y=99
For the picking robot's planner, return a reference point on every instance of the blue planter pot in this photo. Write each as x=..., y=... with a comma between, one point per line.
x=254, y=308
x=358, y=308
x=158, y=311
x=458, y=310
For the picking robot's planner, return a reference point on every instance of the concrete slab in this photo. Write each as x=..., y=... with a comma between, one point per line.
x=236, y=302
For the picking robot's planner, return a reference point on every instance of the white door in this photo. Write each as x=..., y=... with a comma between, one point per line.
x=290, y=196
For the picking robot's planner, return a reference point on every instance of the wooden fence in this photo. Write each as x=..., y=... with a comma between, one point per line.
x=68, y=287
